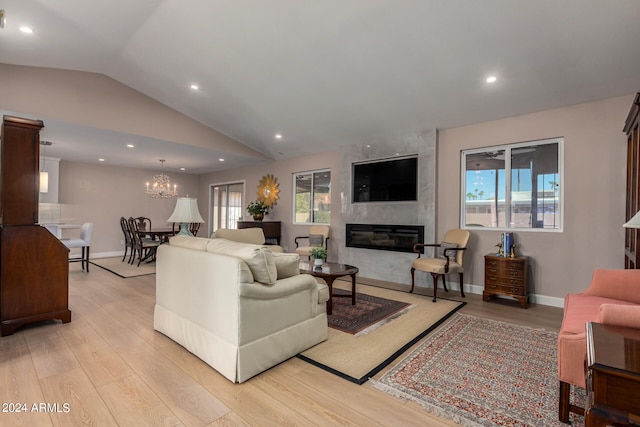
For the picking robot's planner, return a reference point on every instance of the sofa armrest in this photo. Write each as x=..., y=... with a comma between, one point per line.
x=623, y=285
x=619, y=315
x=282, y=287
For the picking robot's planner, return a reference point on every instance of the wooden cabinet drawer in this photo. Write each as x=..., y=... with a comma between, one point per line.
x=518, y=281
x=505, y=289
x=507, y=273
x=505, y=276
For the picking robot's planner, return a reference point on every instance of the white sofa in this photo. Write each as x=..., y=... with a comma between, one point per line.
x=239, y=307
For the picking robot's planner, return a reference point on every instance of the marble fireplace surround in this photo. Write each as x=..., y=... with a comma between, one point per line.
x=380, y=264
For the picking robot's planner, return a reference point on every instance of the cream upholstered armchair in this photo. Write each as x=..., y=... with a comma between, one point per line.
x=448, y=259
x=318, y=236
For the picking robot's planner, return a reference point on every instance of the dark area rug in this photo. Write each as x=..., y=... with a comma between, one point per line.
x=481, y=372
x=370, y=312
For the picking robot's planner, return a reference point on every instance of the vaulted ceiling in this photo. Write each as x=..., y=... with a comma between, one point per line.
x=329, y=73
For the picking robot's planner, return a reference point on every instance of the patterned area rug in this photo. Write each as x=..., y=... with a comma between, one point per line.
x=480, y=372
x=369, y=313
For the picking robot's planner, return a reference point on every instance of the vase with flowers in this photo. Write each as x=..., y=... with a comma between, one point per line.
x=258, y=210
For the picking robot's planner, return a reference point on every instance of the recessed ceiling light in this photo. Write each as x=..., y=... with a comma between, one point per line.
x=101, y=160
x=221, y=159
x=26, y=30
x=278, y=136
x=491, y=79
x=194, y=86
x=183, y=169
x=130, y=145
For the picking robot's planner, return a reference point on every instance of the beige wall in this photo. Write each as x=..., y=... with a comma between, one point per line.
x=102, y=194
x=594, y=185
x=283, y=170
x=594, y=179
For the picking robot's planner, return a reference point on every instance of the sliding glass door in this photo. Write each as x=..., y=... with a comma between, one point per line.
x=226, y=205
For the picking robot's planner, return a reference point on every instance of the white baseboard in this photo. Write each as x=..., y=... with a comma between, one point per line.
x=533, y=298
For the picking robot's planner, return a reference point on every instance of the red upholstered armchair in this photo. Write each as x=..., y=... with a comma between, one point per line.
x=613, y=297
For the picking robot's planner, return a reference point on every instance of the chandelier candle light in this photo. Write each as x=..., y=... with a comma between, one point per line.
x=161, y=187
x=186, y=212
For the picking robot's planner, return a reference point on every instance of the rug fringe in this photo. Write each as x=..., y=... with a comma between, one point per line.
x=428, y=407
x=384, y=321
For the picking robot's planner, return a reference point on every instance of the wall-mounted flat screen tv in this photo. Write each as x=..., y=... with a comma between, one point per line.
x=389, y=180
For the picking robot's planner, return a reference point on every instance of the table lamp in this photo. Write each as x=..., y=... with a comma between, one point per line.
x=633, y=222
x=186, y=212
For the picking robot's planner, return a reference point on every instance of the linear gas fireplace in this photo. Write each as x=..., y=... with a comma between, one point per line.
x=398, y=238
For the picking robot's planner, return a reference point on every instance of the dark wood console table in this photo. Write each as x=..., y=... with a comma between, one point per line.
x=613, y=376
x=271, y=229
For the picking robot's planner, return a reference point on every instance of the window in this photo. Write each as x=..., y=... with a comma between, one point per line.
x=516, y=186
x=312, y=197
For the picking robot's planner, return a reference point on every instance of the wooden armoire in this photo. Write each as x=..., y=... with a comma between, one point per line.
x=631, y=237
x=34, y=264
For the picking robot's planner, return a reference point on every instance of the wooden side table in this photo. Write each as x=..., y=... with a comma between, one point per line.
x=329, y=272
x=505, y=276
x=613, y=376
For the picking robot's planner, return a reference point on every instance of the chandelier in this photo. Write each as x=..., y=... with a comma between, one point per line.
x=161, y=187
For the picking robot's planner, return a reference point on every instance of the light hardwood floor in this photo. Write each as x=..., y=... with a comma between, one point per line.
x=108, y=367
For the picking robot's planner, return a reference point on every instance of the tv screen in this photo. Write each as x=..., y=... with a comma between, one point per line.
x=393, y=180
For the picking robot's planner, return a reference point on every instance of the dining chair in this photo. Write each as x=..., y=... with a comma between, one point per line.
x=84, y=243
x=194, y=227
x=144, y=247
x=128, y=239
x=144, y=223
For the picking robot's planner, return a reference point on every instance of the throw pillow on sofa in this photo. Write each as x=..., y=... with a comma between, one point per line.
x=287, y=265
x=259, y=258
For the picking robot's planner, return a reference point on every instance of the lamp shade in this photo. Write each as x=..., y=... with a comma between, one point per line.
x=633, y=222
x=44, y=182
x=186, y=211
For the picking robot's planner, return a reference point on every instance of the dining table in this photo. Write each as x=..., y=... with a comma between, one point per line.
x=161, y=234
